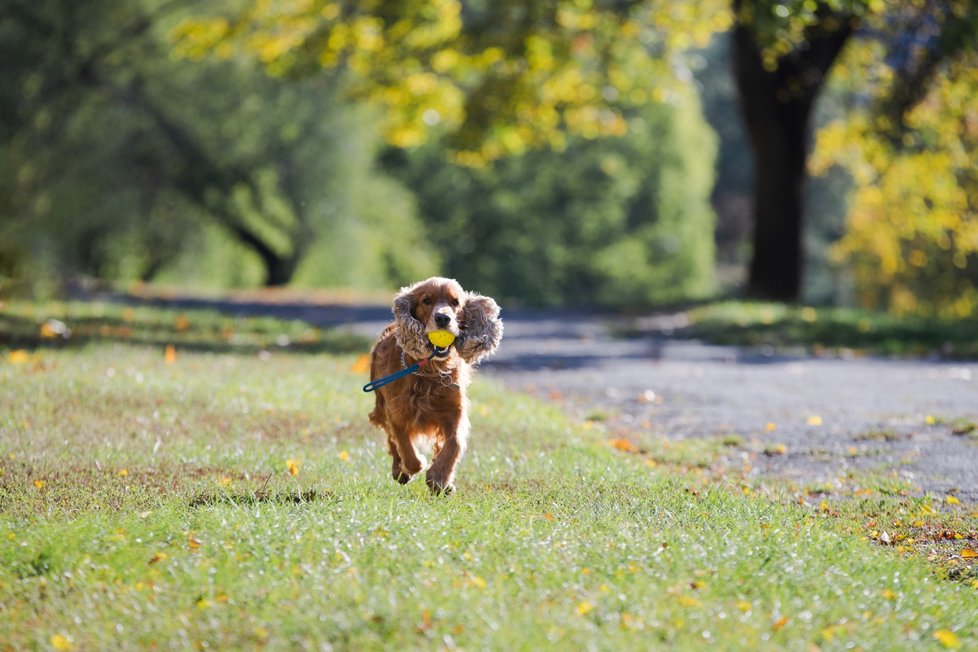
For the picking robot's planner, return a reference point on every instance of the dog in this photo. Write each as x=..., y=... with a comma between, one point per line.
x=431, y=403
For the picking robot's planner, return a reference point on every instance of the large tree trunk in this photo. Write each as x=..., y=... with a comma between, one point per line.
x=777, y=105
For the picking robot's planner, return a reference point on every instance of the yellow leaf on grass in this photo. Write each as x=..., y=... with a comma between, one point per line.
x=20, y=356
x=122, y=473
x=779, y=623
x=968, y=553
x=170, y=354
x=584, y=608
x=39, y=484
x=158, y=557
x=343, y=456
x=814, y=420
x=59, y=642
x=930, y=420
x=951, y=500
x=744, y=606
x=362, y=365
x=688, y=601
x=948, y=639
x=292, y=466
x=770, y=426
x=888, y=594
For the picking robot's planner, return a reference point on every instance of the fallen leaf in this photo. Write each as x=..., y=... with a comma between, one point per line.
x=292, y=466
x=776, y=449
x=19, y=356
x=770, y=426
x=193, y=542
x=930, y=420
x=122, y=473
x=688, y=601
x=948, y=639
x=814, y=420
x=170, y=354
x=623, y=445
x=744, y=606
x=59, y=642
x=343, y=456
x=362, y=365
x=648, y=396
x=888, y=594
x=158, y=557
x=584, y=608
x=39, y=484
x=968, y=553
x=779, y=623
x=951, y=500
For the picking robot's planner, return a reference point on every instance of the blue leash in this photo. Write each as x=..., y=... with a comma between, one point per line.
x=386, y=380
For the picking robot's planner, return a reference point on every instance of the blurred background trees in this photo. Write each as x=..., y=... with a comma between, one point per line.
x=561, y=152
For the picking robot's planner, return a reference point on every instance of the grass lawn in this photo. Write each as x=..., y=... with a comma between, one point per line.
x=237, y=498
x=746, y=323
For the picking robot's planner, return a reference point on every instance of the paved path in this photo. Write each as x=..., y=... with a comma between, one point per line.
x=871, y=413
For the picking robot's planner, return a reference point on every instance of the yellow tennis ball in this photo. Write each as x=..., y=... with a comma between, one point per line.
x=441, y=339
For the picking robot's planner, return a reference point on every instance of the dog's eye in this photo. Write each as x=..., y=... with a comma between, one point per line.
x=426, y=301
x=454, y=303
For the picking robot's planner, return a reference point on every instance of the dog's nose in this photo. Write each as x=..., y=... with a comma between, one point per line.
x=442, y=320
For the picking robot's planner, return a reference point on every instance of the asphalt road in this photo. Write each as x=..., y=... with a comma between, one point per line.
x=830, y=415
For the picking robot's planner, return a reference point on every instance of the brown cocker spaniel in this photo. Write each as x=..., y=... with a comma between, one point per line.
x=431, y=403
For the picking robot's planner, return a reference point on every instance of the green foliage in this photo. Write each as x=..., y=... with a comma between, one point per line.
x=501, y=77
x=620, y=222
x=176, y=170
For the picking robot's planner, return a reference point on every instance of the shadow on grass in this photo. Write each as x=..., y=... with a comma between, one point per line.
x=246, y=499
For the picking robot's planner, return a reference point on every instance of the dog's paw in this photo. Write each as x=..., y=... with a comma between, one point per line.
x=439, y=487
x=403, y=474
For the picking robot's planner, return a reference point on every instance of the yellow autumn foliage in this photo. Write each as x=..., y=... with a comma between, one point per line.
x=912, y=238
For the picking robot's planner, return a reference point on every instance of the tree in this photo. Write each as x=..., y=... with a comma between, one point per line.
x=777, y=92
x=121, y=157
x=617, y=222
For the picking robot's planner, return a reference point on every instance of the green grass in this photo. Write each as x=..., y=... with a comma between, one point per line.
x=819, y=329
x=146, y=504
x=71, y=324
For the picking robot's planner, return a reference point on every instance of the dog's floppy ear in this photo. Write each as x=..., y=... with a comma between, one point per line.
x=411, y=335
x=483, y=328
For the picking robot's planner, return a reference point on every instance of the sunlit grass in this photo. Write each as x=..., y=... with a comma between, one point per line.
x=829, y=329
x=69, y=324
x=146, y=503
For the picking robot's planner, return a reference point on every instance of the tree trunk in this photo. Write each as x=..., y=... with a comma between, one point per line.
x=777, y=105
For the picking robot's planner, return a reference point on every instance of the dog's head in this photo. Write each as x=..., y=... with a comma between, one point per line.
x=441, y=304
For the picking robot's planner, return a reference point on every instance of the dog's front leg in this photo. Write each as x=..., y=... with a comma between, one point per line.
x=441, y=475
x=407, y=462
